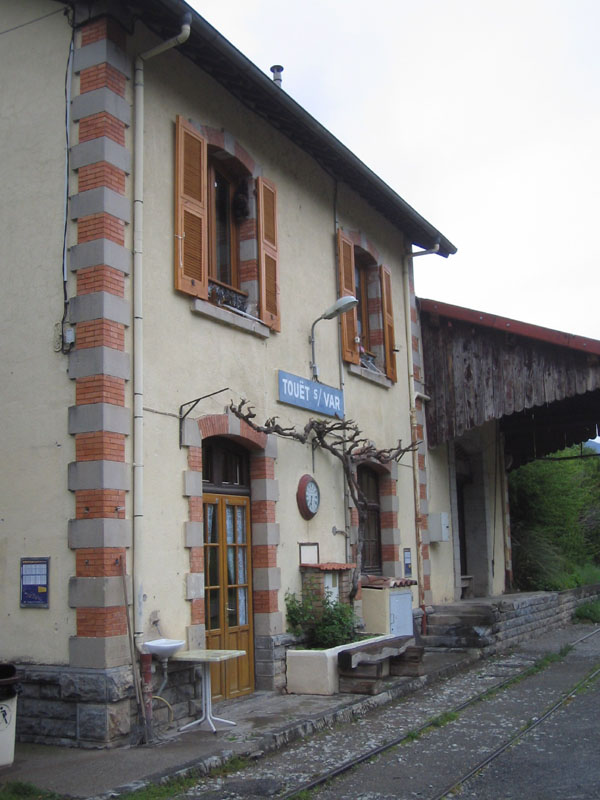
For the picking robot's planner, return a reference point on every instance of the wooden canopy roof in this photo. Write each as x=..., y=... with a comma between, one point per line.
x=542, y=385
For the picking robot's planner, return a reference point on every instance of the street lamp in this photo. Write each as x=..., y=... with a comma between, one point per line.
x=340, y=306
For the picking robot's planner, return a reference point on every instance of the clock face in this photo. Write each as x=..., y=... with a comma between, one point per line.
x=308, y=496
x=312, y=496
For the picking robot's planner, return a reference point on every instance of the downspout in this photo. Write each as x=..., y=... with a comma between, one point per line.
x=412, y=398
x=347, y=520
x=138, y=319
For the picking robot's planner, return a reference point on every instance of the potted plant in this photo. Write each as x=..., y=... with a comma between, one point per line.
x=326, y=627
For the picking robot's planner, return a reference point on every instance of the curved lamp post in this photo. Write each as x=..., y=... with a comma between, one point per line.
x=340, y=306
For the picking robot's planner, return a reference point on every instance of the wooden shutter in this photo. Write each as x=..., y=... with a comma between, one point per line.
x=191, y=211
x=347, y=287
x=267, y=253
x=388, y=323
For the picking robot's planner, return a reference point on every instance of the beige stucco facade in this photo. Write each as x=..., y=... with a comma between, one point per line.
x=186, y=348
x=36, y=392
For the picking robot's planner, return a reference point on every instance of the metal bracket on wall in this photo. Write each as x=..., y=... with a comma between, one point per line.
x=336, y=530
x=192, y=405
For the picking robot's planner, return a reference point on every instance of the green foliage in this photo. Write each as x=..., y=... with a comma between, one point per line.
x=322, y=621
x=587, y=574
x=555, y=522
x=301, y=614
x=336, y=625
x=588, y=612
x=233, y=764
x=16, y=790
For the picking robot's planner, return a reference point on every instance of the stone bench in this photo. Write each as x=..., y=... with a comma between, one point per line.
x=362, y=667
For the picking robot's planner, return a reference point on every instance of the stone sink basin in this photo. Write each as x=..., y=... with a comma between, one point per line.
x=163, y=648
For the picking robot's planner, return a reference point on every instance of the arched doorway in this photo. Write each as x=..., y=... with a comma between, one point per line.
x=371, y=529
x=227, y=564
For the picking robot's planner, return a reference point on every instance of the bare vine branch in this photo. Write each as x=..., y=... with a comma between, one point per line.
x=344, y=440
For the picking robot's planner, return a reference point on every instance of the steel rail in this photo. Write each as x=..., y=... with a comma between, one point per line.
x=519, y=735
x=346, y=766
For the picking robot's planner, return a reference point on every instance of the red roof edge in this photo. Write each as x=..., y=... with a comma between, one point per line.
x=549, y=335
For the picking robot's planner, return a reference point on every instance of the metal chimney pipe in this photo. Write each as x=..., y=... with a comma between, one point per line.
x=277, y=69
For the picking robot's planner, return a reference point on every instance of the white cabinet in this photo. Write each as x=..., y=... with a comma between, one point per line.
x=439, y=527
x=388, y=611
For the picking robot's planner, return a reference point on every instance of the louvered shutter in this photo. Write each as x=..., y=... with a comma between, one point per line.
x=191, y=211
x=347, y=287
x=388, y=323
x=267, y=253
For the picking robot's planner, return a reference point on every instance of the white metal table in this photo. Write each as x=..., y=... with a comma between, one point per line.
x=205, y=658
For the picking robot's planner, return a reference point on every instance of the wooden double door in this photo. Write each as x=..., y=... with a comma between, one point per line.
x=228, y=591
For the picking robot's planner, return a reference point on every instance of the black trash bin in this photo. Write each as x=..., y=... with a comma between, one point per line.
x=9, y=688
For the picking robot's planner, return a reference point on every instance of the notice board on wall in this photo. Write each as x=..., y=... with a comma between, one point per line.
x=35, y=582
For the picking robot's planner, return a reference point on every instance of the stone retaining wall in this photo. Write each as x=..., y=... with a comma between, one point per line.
x=92, y=708
x=520, y=617
x=269, y=660
x=74, y=707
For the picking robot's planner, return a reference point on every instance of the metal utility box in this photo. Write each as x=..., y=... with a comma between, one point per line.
x=387, y=611
x=439, y=527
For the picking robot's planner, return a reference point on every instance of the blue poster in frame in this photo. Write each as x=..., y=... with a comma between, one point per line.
x=34, y=582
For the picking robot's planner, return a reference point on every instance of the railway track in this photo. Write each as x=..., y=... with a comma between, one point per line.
x=310, y=766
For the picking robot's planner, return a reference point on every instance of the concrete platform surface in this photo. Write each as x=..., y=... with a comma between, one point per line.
x=264, y=722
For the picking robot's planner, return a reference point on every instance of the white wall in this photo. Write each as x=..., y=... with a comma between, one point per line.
x=35, y=445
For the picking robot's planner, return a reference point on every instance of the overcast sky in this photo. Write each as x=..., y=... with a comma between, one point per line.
x=482, y=115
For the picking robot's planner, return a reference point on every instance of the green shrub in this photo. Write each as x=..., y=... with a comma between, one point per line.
x=588, y=611
x=301, y=614
x=538, y=562
x=555, y=522
x=587, y=574
x=335, y=625
x=323, y=622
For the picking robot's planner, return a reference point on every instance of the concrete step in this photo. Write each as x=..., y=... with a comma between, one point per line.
x=472, y=640
x=466, y=624
x=467, y=610
x=460, y=619
x=460, y=630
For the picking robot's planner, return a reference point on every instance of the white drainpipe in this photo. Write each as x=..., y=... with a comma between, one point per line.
x=412, y=397
x=138, y=320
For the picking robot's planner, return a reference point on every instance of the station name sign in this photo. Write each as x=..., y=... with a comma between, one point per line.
x=312, y=395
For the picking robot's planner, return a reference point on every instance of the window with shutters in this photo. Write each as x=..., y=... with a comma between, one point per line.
x=225, y=228
x=368, y=330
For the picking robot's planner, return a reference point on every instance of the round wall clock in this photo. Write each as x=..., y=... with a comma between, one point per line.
x=308, y=496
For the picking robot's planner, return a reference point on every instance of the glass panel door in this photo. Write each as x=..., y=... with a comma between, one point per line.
x=228, y=591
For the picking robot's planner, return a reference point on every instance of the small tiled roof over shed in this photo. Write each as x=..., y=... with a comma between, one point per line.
x=542, y=384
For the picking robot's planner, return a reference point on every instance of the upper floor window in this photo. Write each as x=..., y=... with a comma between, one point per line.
x=368, y=330
x=225, y=229
x=366, y=273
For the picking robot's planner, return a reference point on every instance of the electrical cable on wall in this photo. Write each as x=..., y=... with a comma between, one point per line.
x=31, y=21
x=65, y=345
